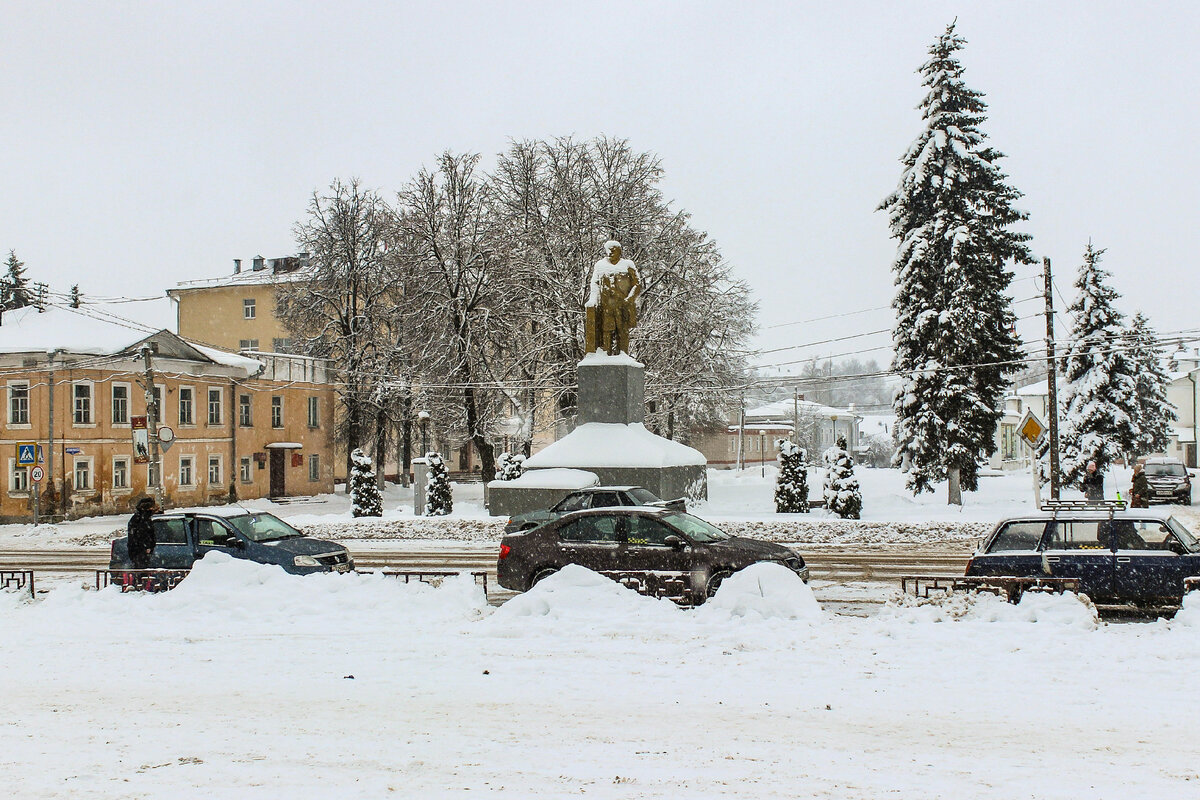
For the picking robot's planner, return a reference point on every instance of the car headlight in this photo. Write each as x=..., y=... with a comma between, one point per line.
x=306, y=561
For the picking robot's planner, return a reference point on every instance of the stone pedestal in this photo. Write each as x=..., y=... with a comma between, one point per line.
x=612, y=442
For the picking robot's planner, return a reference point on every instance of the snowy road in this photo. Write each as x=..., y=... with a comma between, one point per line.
x=246, y=683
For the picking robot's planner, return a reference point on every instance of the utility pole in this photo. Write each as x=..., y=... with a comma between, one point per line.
x=1051, y=380
x=795, y=414
x=742, y=432
x=50, y=440
x=154, y=468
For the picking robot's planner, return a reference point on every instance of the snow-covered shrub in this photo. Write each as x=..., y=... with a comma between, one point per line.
x=842, y=495
x=510, y=466
x=439, y=502
x=364, y=492
x=791, y=487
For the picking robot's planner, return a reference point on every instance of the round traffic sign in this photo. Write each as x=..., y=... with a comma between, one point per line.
x=36, y=474
x=165, y=434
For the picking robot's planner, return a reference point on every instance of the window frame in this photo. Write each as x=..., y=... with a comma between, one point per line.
x=89, y=408
x=216, y=458
x=89, y=463
x=314, y=412
x=124, y=487
x=219, y=407
x=191, y=420
x=246, y=470
x=314, y=467
x=13, y=470
x=12, y=423
x=112, y=399
x=191, y=459
x=249, y=308
x=245, y=420
x=277, y=419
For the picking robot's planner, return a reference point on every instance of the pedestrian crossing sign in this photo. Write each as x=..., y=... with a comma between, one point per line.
x=27, y=453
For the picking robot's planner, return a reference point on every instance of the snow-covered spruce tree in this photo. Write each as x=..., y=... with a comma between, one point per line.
x=364, y=493
x=954, y=338
x=510, y=466
x=842, y=495
x=791, y=487
x=1099, y=401
x=14, y=286
x=1155, y=412
x=438, y=501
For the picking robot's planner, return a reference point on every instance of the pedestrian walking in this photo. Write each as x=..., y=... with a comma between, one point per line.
x=141, y=533
x=1139, y=493
x=1093, y=483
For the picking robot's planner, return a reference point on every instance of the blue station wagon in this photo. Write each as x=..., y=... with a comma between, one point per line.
x=1136, y=556
x=185, y=536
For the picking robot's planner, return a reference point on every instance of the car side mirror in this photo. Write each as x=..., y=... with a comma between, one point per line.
x=674, y=542
x=235, y=543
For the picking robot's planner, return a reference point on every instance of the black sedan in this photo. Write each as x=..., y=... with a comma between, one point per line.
x=657, y=551
x=591, y=497
x=1137, y=556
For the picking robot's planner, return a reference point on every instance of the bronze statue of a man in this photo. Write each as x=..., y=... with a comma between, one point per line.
x=611, y=308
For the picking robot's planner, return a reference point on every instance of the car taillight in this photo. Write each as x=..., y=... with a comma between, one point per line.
x=504, y=551
x=970, y=561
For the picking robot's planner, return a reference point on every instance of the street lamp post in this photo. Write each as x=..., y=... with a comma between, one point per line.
x=762, y=453
x=423, y=416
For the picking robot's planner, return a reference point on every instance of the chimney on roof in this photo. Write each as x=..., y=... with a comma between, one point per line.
x=258, y=264
x=237, y=266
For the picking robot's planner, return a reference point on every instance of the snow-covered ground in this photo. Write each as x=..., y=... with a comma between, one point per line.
x=734, y=497
x=245, y=682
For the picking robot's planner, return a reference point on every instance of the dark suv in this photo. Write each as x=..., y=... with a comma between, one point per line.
x=592, y=497
x=1169, y=480
x=656, y=551
x=1136, y=556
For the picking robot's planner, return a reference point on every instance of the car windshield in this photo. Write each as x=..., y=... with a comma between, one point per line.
x=1178, y=528
x=1156, y=470
x=696, y=529
x=644, y=496
x=263, y=527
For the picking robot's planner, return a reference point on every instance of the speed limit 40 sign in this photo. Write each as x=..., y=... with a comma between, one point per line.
x=36, y=474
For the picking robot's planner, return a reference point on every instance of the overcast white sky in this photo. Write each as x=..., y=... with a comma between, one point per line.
x=148, y=143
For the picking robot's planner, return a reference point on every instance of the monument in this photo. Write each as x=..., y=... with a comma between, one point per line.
x=610, y=444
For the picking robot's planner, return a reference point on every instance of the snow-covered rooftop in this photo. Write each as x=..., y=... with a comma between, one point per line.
x=247, y=277
x=785, y=409
x=1039, y=389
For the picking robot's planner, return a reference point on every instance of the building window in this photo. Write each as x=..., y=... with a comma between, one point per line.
x=120, y=404
x=247, y=344
x=83, y=474
x=18, y=478
x=83, y=403
x=120, y=473
x=276, y=412
x=214, y=470
x=314, y=412
x=158, y=405
x=244, y=470
x=314, y=468
x=186, y=475
x=248, y=308
x=153, y=474
x=281, y=345
x=244, y=417
x=18, y=403
x=214, y=406
x=186, y=404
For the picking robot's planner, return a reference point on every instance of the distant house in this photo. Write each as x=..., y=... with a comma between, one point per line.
x=74, y=385
x=820, y=425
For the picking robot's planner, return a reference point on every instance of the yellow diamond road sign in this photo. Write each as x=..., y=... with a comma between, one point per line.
x=1031, y=429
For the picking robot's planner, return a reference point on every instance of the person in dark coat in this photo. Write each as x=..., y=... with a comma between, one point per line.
x=141, y=533
x=1139, y=494
x=1093, y=483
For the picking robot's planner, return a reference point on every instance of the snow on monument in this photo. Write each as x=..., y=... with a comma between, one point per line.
x=611, y=440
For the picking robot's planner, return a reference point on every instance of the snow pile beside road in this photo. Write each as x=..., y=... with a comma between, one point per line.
x=583, y=600
x=1068, y=610
x=1188, y=615
x=763, y=590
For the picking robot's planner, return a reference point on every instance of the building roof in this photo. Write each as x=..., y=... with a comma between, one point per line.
x=247, y=277
x=1039, y=389
x=784, y=410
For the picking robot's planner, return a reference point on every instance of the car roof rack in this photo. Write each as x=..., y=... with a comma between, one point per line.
x=1110, y=506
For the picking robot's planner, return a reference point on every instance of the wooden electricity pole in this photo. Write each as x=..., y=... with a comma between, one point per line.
x=154, y=468
x=1051, y=380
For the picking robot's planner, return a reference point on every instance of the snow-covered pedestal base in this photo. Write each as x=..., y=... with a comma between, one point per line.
x=611, y=442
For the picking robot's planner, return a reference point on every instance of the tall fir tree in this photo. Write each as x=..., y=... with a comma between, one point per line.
x=15, y=290
x=1099, y=401
x=955, y=338
x=364, y=492
x=1155, y=412
x=791, y=487
x=438, y=500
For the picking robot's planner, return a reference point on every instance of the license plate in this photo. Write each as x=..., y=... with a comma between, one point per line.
x=341, y=567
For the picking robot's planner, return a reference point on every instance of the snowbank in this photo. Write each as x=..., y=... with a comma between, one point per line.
x=765, y=591
x=1067, y=610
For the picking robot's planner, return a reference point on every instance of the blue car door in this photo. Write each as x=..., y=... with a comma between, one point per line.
x=1080, y=549
x=214, y=534
x=1012, y=551
x=172, y=550
x=1151, y=563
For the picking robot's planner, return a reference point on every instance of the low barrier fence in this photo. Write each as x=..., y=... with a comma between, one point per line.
x=161, y=580
x=1011, y=588
x=17, y=580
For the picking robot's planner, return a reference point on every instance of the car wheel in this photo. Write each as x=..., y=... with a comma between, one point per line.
x=541, y=575
x=714, y=582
